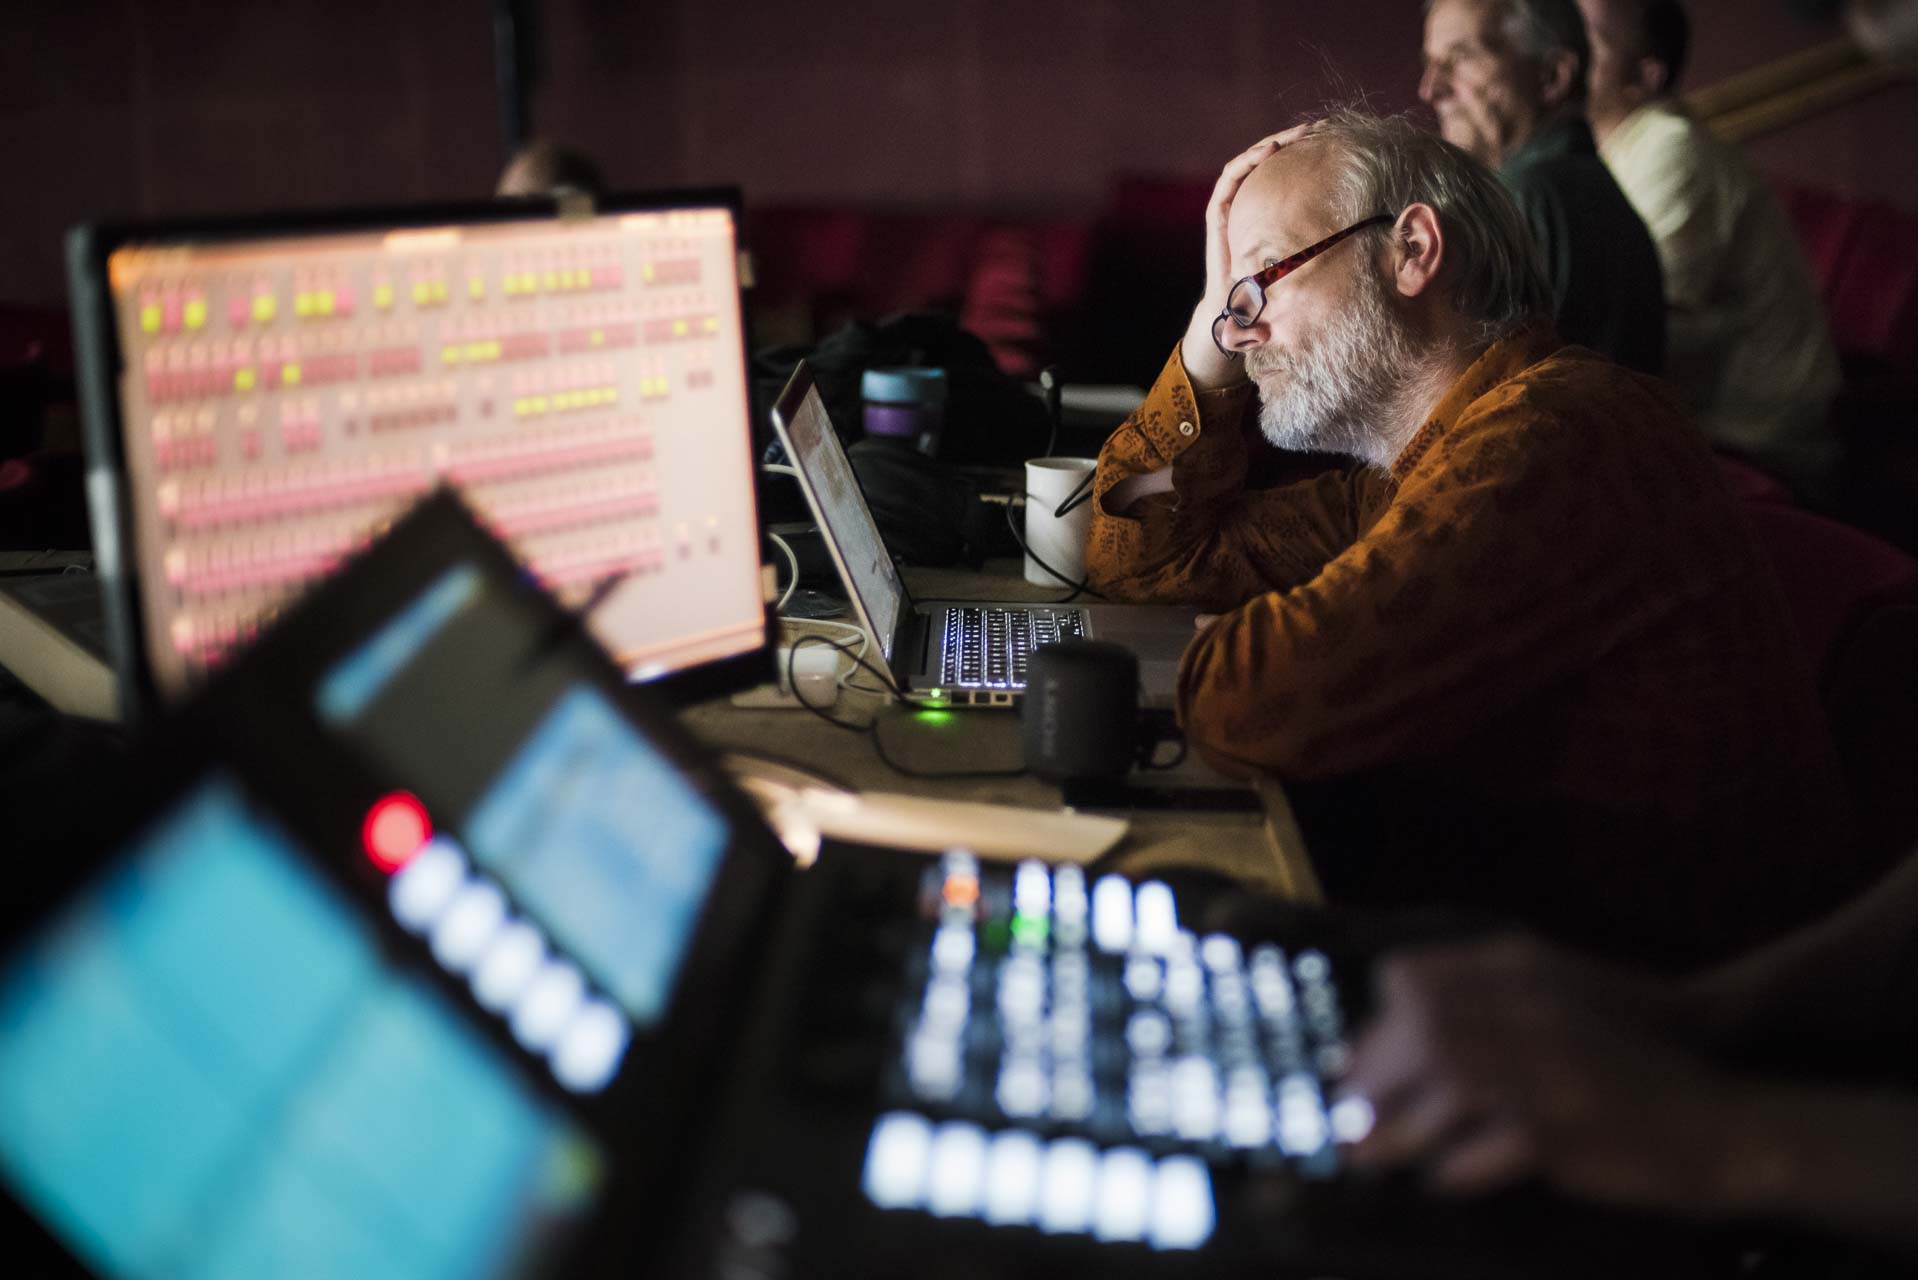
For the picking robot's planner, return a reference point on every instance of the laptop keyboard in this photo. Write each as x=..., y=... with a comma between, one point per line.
x=990, y=647
x=1072, y=1059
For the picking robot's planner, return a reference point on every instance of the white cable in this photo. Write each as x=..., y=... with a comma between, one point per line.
x=792, y=560
x=779, y=469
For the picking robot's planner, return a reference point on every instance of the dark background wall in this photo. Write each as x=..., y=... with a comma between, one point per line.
x=159, y=107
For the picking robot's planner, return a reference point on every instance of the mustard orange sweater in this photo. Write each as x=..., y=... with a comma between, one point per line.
x=1544, y=655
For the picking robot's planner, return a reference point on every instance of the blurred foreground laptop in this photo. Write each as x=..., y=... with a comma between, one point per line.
x=431, y=949
x=965, y=653
x=262, y=394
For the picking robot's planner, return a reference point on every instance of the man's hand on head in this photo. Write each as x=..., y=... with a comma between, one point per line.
x=1205, y=365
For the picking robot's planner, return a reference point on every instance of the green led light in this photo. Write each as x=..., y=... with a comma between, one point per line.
x=1029, y=931
x=931, y=716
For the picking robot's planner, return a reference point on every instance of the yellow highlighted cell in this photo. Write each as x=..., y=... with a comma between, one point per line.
x=679, y=328
x=439, y=291
x=243, y=379
x=597, y=338
x=450, y=355
x=476, y=288
x=383, y=296
x=422, y=292
x=290, y=375
x=323, y=302
x=303, y=304
x=264, y=307
x=712, y=324
x=150, y=318
x=195, y=313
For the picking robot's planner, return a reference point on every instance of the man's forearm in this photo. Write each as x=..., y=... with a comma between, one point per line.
x=1841, y=1161
x=1852, y=975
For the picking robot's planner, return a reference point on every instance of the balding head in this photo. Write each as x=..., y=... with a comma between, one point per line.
x=1347, y=343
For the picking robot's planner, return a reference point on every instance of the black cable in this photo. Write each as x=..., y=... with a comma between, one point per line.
x=878, y=743
x=1081, y=587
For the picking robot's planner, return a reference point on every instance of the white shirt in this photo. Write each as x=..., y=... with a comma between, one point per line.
x=1747, y=342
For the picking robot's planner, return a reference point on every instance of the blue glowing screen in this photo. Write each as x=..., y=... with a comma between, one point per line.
x=207, y=1069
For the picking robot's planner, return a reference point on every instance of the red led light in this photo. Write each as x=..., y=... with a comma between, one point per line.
x=395, y=828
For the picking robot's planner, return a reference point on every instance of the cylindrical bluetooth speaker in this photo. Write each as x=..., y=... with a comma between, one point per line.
x=1081, y=713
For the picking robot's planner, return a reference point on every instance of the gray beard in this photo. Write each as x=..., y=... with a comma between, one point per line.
x=1347, y=388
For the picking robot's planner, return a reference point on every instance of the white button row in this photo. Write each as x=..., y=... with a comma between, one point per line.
x=543, y=997
x=1063, y=1187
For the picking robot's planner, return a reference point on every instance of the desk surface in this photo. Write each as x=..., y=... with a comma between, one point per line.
x=1259, y=847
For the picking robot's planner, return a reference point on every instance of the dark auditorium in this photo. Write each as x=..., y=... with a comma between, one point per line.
x=857, y=640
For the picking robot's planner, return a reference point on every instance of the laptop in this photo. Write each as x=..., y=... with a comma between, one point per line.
x=378, y=977
x=262, y=394
x=957, y=653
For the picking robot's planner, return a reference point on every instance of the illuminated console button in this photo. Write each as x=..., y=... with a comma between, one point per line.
x=588, y=1054
x=425, y=885
x=510, y=962
x=956, y=1171
x=1351, y=1119
x=1123, y=1208
x=1182, y=1210
x=1012, y=1178
x=1112, y=914
x=1068, y=1182
x=547, y=1005
x=468, y=923
x=1157, y=918
x=896, y=1160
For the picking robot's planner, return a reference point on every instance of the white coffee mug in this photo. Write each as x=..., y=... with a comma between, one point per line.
x=1058, y=541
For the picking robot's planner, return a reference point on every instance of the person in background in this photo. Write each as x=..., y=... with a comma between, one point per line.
x=1746, y=339
x=1532, y=633
x=1712, y=1098
x=1507, y=79
x=549, y=169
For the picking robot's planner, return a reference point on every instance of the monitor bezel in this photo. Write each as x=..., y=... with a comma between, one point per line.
x=98, y=363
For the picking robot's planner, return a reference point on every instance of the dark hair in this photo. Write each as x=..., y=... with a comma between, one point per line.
x=1665, y=36
x=541, y=167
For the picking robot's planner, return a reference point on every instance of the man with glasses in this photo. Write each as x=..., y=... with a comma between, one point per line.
x=1530, y=635
x=1507, y=80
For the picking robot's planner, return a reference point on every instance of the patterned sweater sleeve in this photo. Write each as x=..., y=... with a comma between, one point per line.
x=1210, y=542
x=1477, y=587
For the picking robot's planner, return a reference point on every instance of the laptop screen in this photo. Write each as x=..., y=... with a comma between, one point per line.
x=212, y=1066
x=844, y=518
x=279, y=397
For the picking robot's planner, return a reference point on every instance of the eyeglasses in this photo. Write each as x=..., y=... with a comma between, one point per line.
x=1246, y=302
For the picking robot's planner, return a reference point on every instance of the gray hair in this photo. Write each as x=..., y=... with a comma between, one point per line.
x=1496, y=277
x=1541, y=29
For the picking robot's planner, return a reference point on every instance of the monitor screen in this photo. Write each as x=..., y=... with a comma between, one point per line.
x=584, y=856
x=210, y=1067
x=580, y=378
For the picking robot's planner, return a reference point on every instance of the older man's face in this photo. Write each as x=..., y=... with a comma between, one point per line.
x=1487, y=96
x=1329, y=350
x=1615, y=87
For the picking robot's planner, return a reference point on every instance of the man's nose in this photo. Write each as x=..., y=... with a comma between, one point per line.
x=1256, y=334
x=1432, y=85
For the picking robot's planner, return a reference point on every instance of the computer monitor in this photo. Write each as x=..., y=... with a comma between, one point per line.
x=263, y=395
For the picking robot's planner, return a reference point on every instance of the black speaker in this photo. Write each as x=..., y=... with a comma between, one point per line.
x=1081, y=713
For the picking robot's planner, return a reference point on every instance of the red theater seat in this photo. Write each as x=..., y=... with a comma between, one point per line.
x=1854, y=599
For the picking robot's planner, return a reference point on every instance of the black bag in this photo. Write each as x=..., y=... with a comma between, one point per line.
x=928, y=513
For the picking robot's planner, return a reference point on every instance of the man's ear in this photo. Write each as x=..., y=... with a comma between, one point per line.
x=1556, y=75
x=1418, y=250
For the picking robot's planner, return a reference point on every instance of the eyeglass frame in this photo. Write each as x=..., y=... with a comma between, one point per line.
x=1261, y=280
